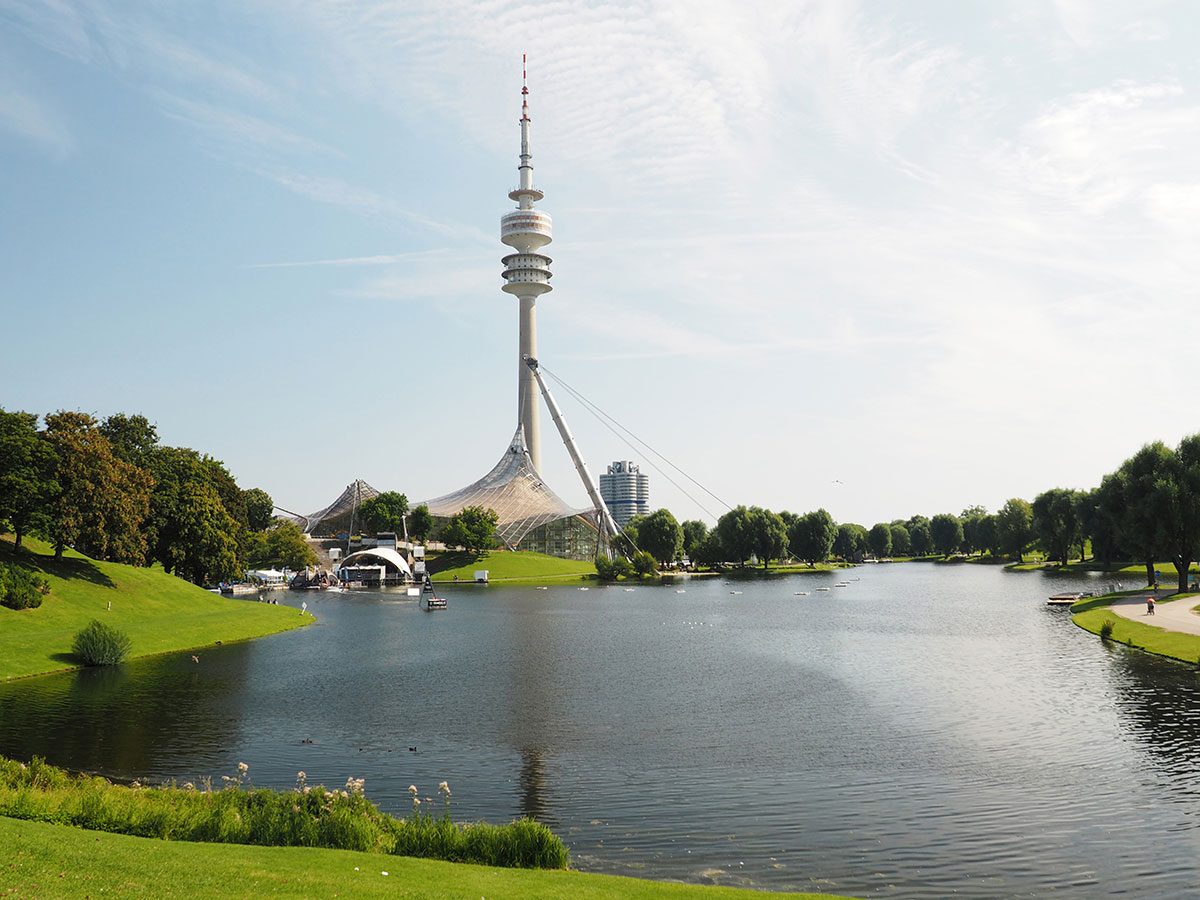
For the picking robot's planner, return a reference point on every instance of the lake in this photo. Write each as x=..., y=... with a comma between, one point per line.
x=927, y=731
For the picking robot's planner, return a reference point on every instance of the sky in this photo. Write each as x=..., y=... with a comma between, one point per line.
x=880, y=258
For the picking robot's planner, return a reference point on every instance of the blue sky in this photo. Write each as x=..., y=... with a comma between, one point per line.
x=882, y=258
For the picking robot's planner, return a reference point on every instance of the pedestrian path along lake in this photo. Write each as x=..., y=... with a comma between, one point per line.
x=927, y=731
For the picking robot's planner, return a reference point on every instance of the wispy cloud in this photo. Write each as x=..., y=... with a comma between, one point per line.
x=383, y=260
x=33, y=119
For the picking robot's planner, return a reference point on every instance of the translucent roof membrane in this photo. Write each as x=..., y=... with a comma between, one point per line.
x=516, y=492
x=355, y=494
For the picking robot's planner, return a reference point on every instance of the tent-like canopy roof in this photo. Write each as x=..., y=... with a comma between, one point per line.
x=354, y=495
x=384, y=554
x=515, y=490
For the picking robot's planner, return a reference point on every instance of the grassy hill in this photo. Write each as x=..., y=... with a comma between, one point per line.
x=57, y=862
x=159, y=612
x=509, y=566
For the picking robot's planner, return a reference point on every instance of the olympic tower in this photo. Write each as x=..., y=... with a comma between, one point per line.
x=527, y=275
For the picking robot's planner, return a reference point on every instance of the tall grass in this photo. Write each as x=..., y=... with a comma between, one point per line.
x=98, y=644
x=309, y=816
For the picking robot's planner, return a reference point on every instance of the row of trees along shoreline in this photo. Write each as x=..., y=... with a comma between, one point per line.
x=1146, y=511
x=109, y=489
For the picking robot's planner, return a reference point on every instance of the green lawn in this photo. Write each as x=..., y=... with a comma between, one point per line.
x=159, y=612
x=57, y=862
x=1092, y=613
x=509, y=566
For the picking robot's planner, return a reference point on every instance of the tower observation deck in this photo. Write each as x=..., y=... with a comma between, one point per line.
x=527, y=275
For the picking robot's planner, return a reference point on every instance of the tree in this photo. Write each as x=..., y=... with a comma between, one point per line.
x=661, y=536
x=259, y=509
x=880, y=539
x=920, y=539
x=385, y=512
x=420, y=524
x=1097, y=519
x=205, y=546
x=972, y=519
x=986, y=535
x=1014, y=527
x=734, y=531
x=644, y=564
x=181, y=478
x=27, y=472
x=947, y=533
x=1136, y=496
x=768, y=535
x=708, y=552
x=851, y=542
x=1179, y=502
x=287, y=547
x=901, y=544
x=133, y=438
x=1056, y=522
x=473, y=528
x=627, y=541
x=694, y=532
x=811, y=537
x=101, y=500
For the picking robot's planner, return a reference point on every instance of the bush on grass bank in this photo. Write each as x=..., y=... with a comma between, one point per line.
x=20, y=588
x=240, y=814
x=98, y=644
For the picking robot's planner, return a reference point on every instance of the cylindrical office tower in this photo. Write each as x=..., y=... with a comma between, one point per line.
x=527, y=274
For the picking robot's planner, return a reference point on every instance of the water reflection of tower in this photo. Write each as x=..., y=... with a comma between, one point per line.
x=527, y=275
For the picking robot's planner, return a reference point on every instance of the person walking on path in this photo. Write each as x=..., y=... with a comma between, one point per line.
x=1149, y=606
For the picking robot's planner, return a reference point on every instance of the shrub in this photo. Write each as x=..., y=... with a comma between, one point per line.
x=644, y=564
x=99, y=645
x=1107, y=628
x=20, y=588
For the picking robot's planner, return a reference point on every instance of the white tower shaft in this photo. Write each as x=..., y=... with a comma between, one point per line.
x=527, y=275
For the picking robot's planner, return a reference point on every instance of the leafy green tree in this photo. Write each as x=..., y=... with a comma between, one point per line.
x=101, y=500
x=627, y=542
x=133, y=438
x=179, y=475
x=851, y=541
x=1137, y=495
x=644, y=564
x=205, y=546
x=1014, y=527
x=901, y=544
x=1179, y=502
x=694, y=532
x=972, y=520
x=474, y=528
x=420, y=524
x=734, y=531
x=811, y=537
x=709, y=552
x=768, y=535
x=986, y=535
x=1056, y=524
x=880, y=539
x=947, y=533
x=1099, y=524
x=282, y=544
x=27, y=473
x=385, y=512
x=661, y=536
x=259, y=509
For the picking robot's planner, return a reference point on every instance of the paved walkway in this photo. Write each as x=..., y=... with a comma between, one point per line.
x=1174, y=616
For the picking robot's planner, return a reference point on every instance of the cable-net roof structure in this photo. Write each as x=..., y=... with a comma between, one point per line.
x=514, y=489
x=336, y=516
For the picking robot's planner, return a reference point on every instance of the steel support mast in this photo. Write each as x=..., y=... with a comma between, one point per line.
x=606, y=519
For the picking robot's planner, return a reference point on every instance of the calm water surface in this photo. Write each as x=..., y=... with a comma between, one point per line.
x=928, y=731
